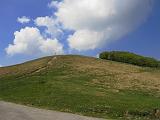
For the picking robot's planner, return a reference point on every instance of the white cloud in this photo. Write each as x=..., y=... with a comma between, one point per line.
x=51, y=47
x=1, y=65
x=44, y=21
x=91, y=40
x=23, y=19
x=97, y=23
x=94, y=24
x=29, y=41
x=97, y=56
x=53, y=4
x=52, y=26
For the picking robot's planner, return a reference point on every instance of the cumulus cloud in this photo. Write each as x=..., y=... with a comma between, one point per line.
x=94, y=24
x=23, y=19
x=51, y=24
x=53, y=4
x=91, y=40
x=29, y=41
x=98, y=22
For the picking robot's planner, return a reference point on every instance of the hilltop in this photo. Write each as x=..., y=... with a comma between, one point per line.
x=84, y=85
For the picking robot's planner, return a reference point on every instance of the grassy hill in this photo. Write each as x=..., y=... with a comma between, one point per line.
x=84, y=85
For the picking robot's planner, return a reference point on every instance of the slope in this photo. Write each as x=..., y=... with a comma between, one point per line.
x=84, y=85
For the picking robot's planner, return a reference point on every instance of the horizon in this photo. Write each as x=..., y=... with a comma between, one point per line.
x=86, y=27
x=97, y=56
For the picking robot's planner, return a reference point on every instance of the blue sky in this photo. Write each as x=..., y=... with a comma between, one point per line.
x=144, y=39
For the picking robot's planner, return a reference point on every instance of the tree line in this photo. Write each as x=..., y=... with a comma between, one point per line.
x=131, y=58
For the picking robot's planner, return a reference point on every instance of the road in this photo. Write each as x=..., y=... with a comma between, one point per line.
x=10, y=111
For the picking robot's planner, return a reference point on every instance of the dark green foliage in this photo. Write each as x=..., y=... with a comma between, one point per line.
x=131, y=58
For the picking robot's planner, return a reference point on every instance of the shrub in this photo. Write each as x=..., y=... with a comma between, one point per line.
x=131, y=58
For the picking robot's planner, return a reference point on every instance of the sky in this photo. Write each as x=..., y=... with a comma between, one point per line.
x=36, y=28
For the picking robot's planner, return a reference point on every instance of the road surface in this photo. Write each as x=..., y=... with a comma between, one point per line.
x=10, y=111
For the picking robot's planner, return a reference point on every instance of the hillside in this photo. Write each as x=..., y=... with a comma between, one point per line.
x=84, y=85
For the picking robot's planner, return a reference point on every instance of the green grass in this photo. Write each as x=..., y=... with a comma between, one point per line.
x=61, y=87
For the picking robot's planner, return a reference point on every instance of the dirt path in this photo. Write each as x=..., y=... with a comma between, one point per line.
x=10, y=111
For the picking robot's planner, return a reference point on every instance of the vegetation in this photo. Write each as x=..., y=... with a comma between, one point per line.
x=84, y=85
x=131, y=58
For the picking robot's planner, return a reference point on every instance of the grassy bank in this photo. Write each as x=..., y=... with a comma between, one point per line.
x=82, y=85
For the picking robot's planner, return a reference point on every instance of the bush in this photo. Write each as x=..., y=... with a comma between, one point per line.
x=131, y=58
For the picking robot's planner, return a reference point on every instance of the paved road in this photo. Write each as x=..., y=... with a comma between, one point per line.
x=10, y=111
